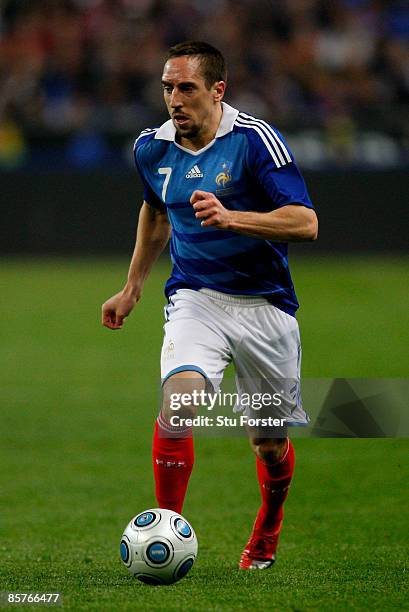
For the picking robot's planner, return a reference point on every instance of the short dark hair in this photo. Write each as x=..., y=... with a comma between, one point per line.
x=211, y=60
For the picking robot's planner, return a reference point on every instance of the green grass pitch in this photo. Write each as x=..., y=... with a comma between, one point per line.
x=78, y=404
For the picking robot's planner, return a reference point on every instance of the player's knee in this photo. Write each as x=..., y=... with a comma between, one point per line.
x=269, y=450
x=181, y=394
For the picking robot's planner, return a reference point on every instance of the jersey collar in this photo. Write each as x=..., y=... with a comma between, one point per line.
x=167, y=131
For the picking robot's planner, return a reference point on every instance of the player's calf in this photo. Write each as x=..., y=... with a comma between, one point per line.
x=181, y=396
x=172, y=449
x=269, y=450
x=274, y=478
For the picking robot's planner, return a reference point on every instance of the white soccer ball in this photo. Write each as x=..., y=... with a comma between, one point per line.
x=158, y=546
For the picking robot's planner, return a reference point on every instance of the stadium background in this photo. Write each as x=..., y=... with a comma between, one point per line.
x=78, y=81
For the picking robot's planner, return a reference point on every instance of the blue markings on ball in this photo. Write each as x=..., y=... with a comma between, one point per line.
x=124, y=551
x=158, y=552
x=145, y=519
x=183, y=528
x=152, y=580
x=184, y=568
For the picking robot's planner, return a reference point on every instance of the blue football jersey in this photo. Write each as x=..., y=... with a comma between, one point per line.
x=249, y=167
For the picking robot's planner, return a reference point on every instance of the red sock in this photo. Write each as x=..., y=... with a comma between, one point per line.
x=172, y=465
x=274, y=481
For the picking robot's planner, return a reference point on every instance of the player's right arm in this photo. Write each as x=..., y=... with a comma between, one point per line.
x=151, y=238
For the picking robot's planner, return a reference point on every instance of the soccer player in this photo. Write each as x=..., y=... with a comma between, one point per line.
x=224, y=187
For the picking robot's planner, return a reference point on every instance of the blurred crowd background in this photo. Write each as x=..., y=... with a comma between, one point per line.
x=80, y=78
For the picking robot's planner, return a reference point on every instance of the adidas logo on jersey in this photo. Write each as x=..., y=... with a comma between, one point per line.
x=194, y=172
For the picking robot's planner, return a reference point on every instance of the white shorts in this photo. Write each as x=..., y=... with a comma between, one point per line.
x=206, y=330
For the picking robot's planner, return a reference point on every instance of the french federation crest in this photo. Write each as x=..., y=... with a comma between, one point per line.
x=224, y=177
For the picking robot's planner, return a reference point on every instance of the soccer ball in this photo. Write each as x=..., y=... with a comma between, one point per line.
x=158, y=546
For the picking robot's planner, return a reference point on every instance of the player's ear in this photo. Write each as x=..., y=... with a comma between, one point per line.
x=218, y=90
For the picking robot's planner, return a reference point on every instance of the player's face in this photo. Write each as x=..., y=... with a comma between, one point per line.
x=192, y=106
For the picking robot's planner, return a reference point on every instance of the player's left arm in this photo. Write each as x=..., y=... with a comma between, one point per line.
x=289, y=213
x=292, y=222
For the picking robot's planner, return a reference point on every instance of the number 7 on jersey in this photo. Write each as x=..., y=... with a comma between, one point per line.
x=167, y=172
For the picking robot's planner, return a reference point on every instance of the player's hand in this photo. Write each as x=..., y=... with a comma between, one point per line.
x=117, y=308
x=210, y=210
